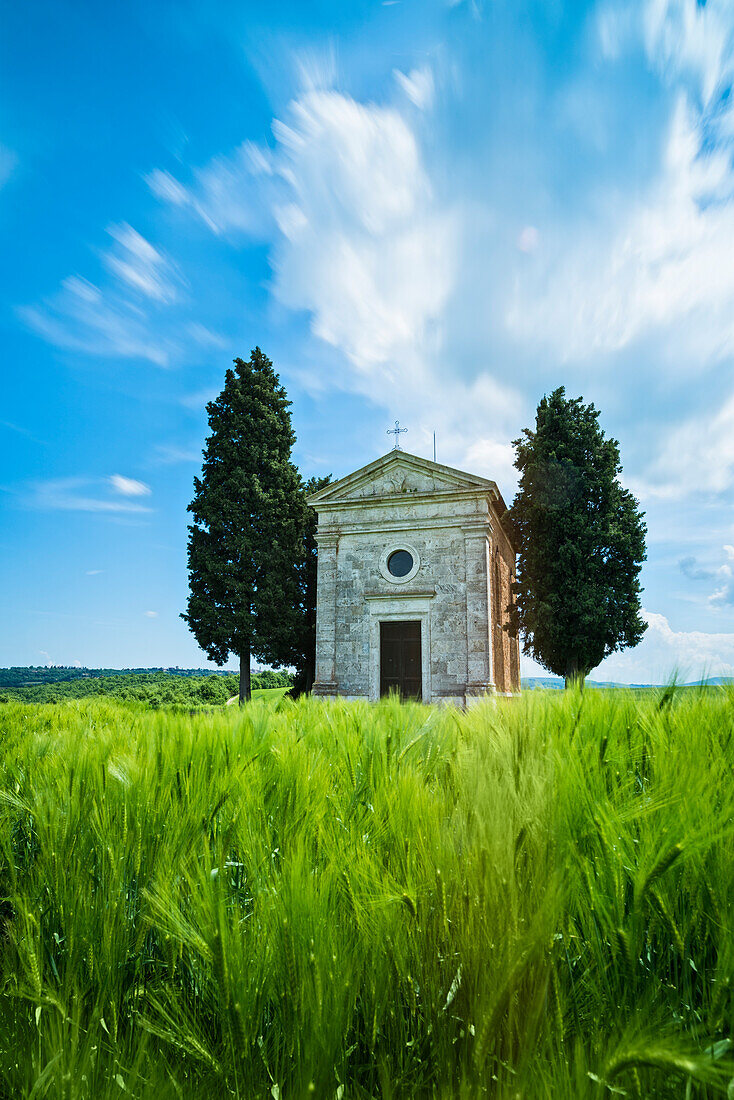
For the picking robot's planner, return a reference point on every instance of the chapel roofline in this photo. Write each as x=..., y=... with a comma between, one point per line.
x=332, y=492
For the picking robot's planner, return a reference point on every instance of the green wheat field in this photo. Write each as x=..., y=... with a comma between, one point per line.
x=530, y=899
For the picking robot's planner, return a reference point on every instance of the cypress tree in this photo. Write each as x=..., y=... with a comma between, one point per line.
x=580, y=539
x=245, y=547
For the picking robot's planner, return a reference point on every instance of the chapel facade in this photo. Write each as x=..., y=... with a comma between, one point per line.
x=414, y=575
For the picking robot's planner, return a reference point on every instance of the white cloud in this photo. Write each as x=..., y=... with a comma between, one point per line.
x=722, y=576
x=204, y=336
x=616, y=24
x=724, y=594
x=418, y=86
x=654, y=271
x=372, y=255
x=79, y=317
x=129, y=487
x=689, y=38
x=226, y=194
x=664, y=652
x=528, y=239
x=120, y=320
x=696, y=456
x=665, y=268
x=496, y=460
x=363, y=245
x=74, y=494
x=683, y=39
x=367, y=254
x=138, y=264
x=658, y=265
x=165, y=187
x=94, y=572
x=151, y=614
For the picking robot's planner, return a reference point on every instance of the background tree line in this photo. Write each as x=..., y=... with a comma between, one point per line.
x=154, y=689
x=34, y=675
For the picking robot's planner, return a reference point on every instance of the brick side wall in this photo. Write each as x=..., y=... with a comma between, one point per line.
x=506, y=646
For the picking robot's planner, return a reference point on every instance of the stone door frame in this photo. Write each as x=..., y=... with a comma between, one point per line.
x=398, y=641
x=396, y=608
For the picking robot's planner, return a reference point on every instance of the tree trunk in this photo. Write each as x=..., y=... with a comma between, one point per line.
x=574, y=676
x=245, y=687
x=310, y=674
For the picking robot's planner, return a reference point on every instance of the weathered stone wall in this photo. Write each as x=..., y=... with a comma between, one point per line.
x=364, y=597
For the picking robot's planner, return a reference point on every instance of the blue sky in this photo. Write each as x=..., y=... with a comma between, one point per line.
x=430, y=211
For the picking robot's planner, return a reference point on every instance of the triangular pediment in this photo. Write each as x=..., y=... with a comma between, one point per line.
x=397, y=474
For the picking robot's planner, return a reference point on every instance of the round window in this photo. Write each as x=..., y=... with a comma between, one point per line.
x=400, y=563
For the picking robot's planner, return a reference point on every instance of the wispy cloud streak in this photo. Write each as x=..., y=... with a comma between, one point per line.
x=77, y=494
x=121, y=319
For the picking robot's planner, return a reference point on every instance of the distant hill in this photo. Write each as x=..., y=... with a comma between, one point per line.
x=25, y=675
x=556, y=684
x=38, y=676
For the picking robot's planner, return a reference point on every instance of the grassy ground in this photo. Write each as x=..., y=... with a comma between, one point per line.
x=269, y=695
x=532, y=899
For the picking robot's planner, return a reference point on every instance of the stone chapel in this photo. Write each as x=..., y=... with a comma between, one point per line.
x=414, y=574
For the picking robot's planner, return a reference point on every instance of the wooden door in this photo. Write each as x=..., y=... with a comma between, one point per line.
x=400, y=659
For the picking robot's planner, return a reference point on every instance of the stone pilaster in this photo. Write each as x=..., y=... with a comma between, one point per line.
x=326, y=682
x=479, y=675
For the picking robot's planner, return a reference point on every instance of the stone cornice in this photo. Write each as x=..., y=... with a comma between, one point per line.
x=433, y=523
x=401, y=594
x=390, y=500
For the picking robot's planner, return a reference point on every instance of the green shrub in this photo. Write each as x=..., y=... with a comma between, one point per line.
x=214, y=690
x=269, y=678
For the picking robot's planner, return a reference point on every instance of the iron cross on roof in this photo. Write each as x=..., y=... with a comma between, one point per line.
x=396, y=432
